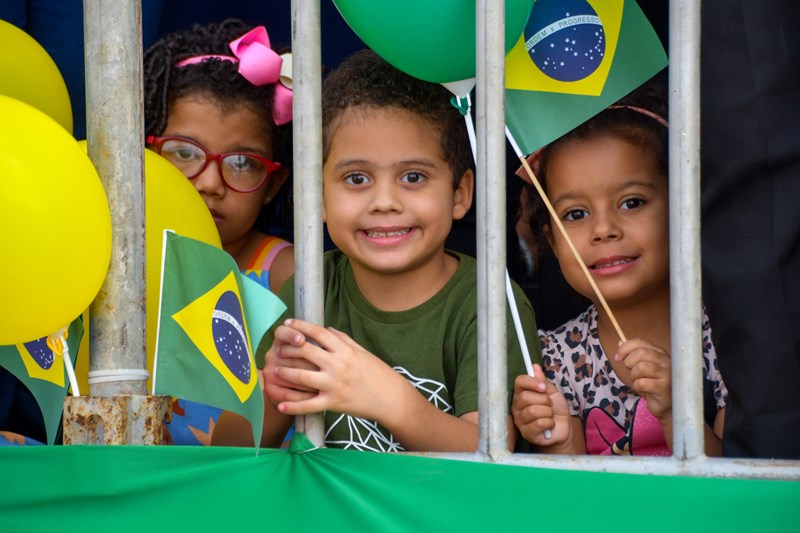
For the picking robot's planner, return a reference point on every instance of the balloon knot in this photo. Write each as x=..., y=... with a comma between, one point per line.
x=57, y=340
x=462, y=106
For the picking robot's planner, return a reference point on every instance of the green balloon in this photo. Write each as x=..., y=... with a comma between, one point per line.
x=433, y=40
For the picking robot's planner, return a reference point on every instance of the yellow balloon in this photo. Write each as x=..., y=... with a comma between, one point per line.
x=29, y=74
x=171, y=203
x=56, y=236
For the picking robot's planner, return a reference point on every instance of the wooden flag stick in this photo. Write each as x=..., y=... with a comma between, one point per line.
x=563, y=232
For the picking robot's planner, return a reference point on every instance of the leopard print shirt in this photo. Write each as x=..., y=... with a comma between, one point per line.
x=575, y=362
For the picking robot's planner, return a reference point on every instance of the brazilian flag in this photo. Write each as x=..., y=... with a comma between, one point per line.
x=574, y=59
x=210, y=315
x=43, y=371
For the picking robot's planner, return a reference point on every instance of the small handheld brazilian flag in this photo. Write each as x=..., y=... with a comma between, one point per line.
x=43, y=371
x=574, y=59
x=209, y=317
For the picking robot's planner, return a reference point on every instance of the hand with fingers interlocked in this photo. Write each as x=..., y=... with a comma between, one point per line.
x=311, y=369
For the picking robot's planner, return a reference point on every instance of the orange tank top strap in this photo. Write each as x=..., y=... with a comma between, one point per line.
x=268, y=249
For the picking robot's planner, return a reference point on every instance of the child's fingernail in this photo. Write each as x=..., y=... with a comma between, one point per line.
x=619, y=343
x=287, y=322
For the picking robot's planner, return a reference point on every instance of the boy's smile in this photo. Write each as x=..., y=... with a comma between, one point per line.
x=388, y=195
x=385, y=236
x=613, y=202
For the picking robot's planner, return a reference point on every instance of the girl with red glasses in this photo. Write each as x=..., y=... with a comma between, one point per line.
x=218, y=104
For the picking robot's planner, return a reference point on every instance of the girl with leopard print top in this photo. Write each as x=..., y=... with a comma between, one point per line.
x=607, y=180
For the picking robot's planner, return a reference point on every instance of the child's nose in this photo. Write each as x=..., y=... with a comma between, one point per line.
x=209, y=180
x=384, y=197
x=606, y=228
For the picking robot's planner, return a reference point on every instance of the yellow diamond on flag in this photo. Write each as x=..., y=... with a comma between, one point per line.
x=215, y=323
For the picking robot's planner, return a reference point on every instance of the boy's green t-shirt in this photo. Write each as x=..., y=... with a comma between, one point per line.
x=433, y=345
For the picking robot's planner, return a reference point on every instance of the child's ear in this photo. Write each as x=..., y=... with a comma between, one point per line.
x=462, y=196
x=274, y=182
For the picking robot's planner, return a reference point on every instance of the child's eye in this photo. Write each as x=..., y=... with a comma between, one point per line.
x=184, y=152
x=576, y=214
x=240, y=162
x=632, y=203
x=356, y=179
x=413, y=177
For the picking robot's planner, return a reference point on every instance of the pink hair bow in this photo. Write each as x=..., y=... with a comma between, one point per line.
x=260, y=65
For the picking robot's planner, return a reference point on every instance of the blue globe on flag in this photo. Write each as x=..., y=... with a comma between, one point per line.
x=565, y=39
x=41, y=352
x=229, y=335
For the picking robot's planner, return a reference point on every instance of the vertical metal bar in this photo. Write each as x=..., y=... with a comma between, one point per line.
x=307, y=159
x=113, y=44
x=684, y=164
x=491, y=221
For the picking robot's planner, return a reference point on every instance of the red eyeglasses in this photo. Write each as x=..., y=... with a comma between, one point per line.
x=239, y=171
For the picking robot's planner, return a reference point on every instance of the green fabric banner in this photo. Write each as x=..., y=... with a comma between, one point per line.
x=129, y=488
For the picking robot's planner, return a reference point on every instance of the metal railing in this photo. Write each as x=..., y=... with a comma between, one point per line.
x=688, y=457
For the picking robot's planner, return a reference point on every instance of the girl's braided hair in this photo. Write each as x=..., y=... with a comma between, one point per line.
x=220, y=81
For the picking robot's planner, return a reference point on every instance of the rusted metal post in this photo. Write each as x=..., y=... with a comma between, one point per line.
x=116, y=420
x=119, y=410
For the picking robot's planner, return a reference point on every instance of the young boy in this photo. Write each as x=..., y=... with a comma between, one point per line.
x=396, y=368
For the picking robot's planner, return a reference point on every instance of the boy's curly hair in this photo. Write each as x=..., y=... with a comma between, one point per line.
x=220, y=81
x=365, y=79
x=623, y=123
